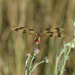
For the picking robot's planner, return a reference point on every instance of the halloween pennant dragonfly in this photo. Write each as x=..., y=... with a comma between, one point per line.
x=54, y=32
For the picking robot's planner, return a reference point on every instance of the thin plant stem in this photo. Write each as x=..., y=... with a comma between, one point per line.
x=30, y=67
x=37, y=65
x=26, y=69
x=66, y=57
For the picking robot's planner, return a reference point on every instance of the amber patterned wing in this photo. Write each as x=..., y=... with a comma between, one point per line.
x=25, y=30
x=54, y=32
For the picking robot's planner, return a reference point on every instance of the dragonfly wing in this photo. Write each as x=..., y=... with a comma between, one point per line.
x=54, y=32
x=32, y=32
x=24, y=30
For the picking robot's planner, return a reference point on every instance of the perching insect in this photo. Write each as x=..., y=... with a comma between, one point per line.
x=53, y=32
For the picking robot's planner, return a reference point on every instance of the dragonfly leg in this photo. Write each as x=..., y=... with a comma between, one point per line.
x=37, y=46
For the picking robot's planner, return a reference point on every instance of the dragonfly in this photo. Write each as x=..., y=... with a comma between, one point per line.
x=53, y=32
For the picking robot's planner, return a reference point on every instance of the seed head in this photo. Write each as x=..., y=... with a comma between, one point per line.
x=47, y=60
x=36, y=51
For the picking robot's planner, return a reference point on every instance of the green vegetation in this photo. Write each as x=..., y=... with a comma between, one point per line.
x=34, y=14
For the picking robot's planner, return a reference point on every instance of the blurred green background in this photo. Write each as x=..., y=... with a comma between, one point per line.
x=34, y=14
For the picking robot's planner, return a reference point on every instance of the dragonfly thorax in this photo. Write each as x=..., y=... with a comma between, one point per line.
x=55, y=32
x=37, y=40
